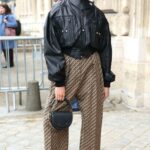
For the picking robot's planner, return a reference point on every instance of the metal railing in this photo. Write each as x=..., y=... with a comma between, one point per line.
x=29, y=65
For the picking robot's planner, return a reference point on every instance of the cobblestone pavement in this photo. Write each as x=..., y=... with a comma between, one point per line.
x=122, y=130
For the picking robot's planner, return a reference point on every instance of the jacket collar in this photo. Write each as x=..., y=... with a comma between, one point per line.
x=81, y=5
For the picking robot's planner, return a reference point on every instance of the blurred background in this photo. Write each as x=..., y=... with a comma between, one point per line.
x=130, y=27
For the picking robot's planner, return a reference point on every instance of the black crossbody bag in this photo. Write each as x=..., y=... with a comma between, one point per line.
x=62, y=119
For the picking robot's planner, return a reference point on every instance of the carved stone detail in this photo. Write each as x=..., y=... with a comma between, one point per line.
x=107, y=5
x=118, y=17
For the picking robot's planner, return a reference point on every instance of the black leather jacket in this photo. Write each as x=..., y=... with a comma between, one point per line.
x=70, y=29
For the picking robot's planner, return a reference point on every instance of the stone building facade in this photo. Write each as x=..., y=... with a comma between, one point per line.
x=130, y=27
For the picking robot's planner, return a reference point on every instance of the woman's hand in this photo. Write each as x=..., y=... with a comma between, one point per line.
x=106, y=93
x=60, y=93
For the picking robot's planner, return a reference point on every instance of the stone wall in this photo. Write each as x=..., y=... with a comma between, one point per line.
x=135, y=90
x=117, y=12
x=130, y=25
x=32, y=14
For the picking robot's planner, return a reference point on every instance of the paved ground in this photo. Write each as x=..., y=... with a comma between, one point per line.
x=122, y=130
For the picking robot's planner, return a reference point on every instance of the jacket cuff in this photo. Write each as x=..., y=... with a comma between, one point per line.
x=59, y=84
x=109, y=77
x=106, y=84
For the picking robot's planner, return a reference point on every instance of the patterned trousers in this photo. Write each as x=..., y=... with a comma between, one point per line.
x=84, y=80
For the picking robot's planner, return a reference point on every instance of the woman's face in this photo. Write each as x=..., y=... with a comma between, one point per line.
x=2, y=10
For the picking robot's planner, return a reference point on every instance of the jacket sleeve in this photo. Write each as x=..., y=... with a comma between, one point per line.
x=11, y=21
x=106, y=53
x=55, y=60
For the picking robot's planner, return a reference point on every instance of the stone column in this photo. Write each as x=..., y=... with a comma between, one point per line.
x=136, y=80
x=136, y=72
x=34, y=9
x=140, y=22
x=38, y=9
x=110, y=5
x=121, y=21
x=47, y=4
x=33, y=101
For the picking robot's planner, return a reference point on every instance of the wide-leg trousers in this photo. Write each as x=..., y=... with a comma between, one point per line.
x=84, y=80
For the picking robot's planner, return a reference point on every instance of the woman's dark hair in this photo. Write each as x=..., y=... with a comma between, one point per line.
x=7, y=8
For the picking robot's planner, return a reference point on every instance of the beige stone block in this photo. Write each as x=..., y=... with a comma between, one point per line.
x=120, y=24
x=128, y=98
x=136, y=81
x=125, y=4
x=147, y=100
x=137, y=49
x=147, y=85
x=114, y=25
x=107, y=5
x=117, y=47
x=146, y=50
x=129, y=76
x=124, y=24
x=117, y=69
x=133, y=89
x=133, y=99
x=131, y=49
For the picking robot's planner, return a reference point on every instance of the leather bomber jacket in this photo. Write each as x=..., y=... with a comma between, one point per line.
x=67, y=27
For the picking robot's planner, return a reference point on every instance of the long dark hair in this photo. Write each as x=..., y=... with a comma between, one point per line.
x=7, y=8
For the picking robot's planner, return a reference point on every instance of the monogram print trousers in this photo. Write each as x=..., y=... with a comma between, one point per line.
x=84, y=80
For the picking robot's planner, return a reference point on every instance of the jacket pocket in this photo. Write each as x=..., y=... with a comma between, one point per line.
x=95, y=35
x=64, y=30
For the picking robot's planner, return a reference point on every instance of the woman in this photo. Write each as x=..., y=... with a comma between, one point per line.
x=78, y=55
x=7, y=19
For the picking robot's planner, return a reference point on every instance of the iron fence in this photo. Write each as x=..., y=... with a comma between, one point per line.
x=29, y=65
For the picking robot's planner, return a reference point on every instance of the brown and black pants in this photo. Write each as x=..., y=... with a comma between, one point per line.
x=84, y=80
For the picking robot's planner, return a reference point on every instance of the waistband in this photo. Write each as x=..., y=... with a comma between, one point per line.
x=79, y=54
